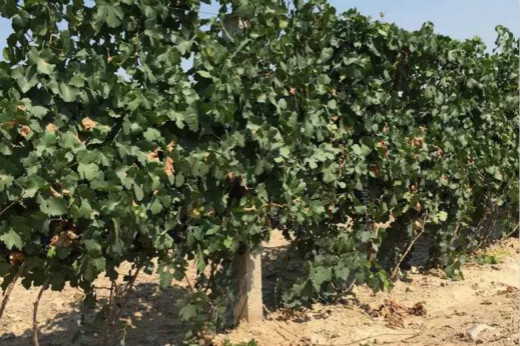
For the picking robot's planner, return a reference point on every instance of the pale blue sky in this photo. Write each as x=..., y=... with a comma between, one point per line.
x=457, y=18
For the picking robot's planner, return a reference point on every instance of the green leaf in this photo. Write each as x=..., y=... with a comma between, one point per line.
x=85, y=210
x=93, y=248
x=12, y=239
x=326, y=54
x=151, y=134
x=68, y=93
x=442, y=215
x=282, y=104
x=89, y=171
x=5, y=180
x=139, y=193
x=156, y=207
x=53, y=206
x=324, y=79
x=38, y=111
x=191, y=118
x=111, y=14
x=319, y=275
x=42, y=65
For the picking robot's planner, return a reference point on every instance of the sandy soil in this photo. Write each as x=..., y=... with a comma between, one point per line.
x=446, y=312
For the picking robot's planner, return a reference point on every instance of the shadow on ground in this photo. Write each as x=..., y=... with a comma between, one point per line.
x=151, y=315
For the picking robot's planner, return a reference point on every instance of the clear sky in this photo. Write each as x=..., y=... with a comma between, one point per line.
x=456, y=18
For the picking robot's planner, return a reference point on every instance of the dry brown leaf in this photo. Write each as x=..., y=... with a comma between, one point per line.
x=64, y=239
x=168, y=166
x=170, y=146
x=383, y=146
x=418, y=309
x=25, y=130
x=153, y=156
x=438, y=151
x=385, y=128
x=374, y=168
x=51, y=127
x=55, y=193
x=16, y=257
x=417, y=141
x=79, y=139
x=88, y=123
x=385, y=225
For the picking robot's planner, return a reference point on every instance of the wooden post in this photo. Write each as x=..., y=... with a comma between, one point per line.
x=248, y=270
x=247, y=267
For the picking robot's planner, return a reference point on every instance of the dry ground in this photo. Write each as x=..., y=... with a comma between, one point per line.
x=488, y=295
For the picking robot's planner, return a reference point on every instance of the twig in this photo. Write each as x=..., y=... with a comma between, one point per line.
x=10, y=289
x=11, y=204
x=282, y=327
x=211, y=274
x=130, y=285
x=110, y=311
x=189, y=282
x=275, y=205
x=456, y=231
x=35, y=314
x=409, y=336
x=513, y=231
x=115, y=313
x=403, y=255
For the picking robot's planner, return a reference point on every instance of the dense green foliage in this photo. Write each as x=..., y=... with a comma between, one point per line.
x=353, y=136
